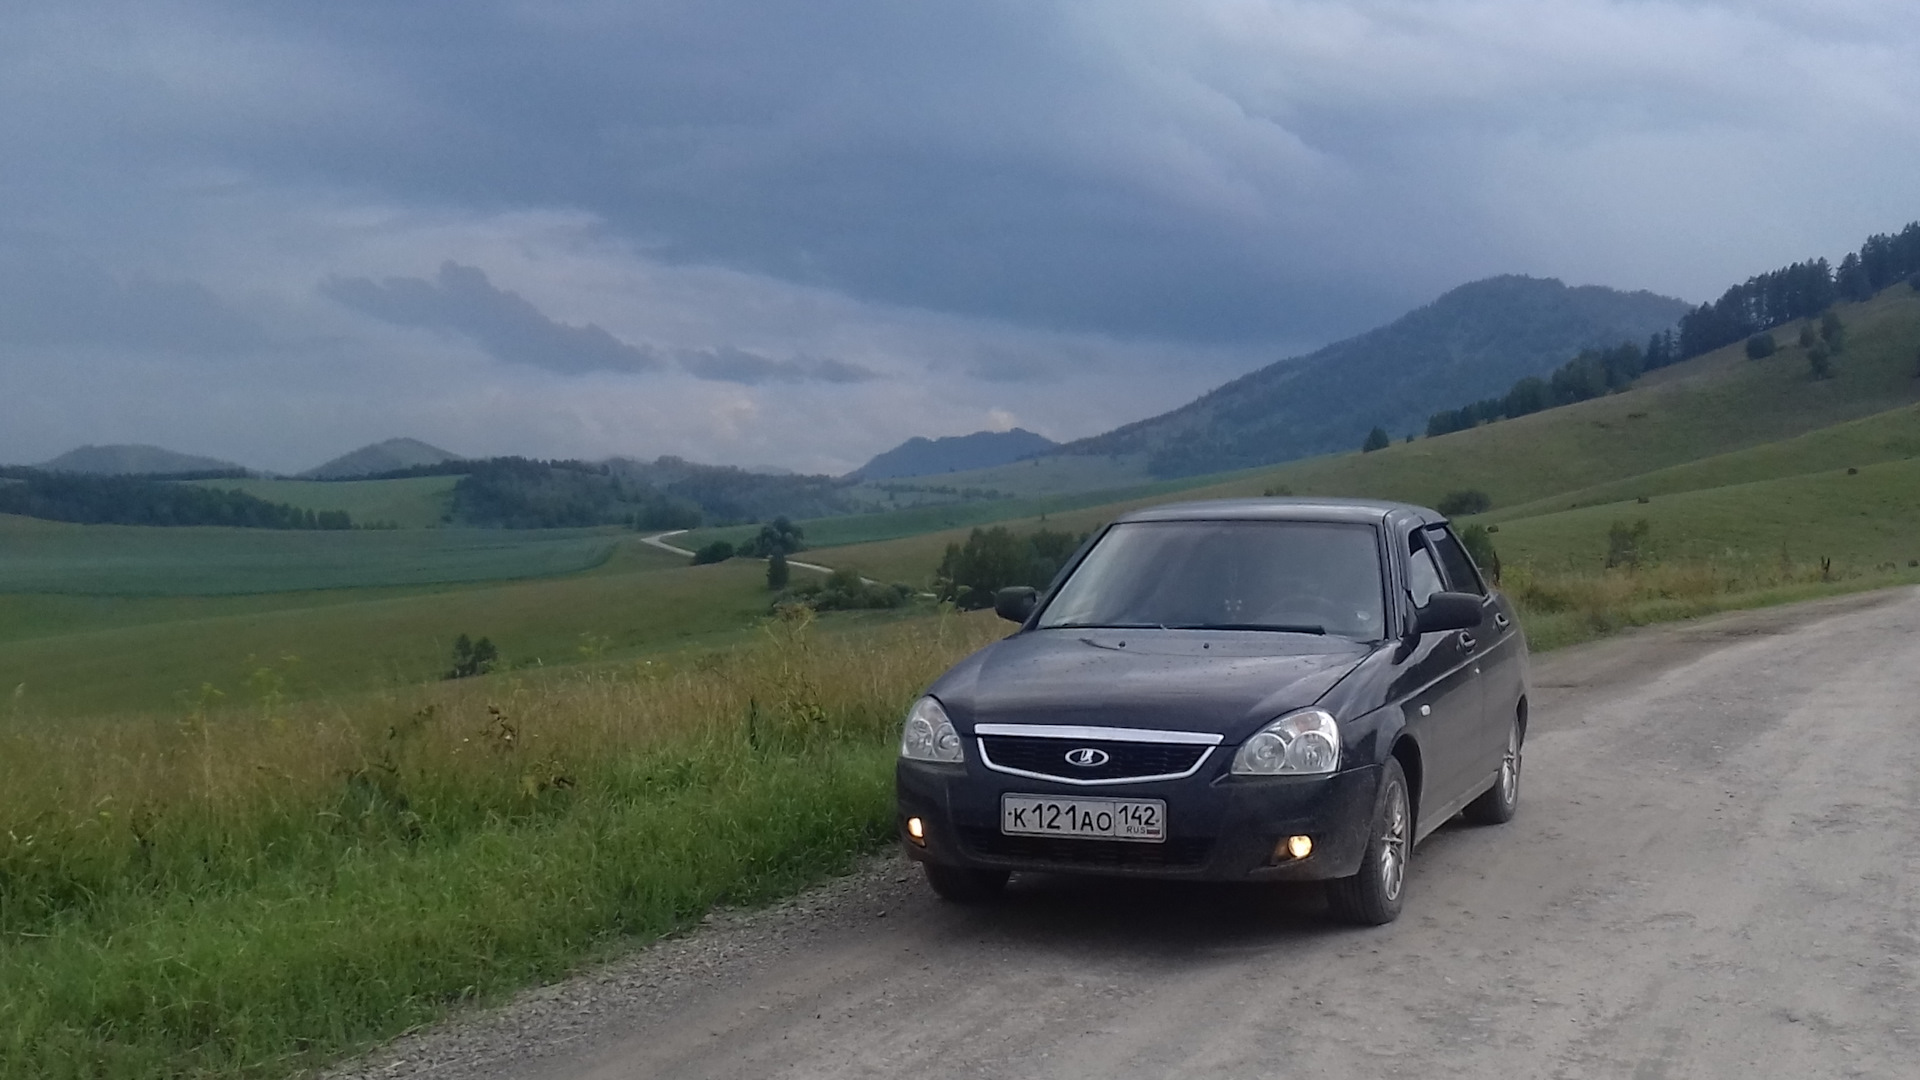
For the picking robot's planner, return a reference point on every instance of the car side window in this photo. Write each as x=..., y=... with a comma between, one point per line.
x=1423, y=577
x=1460, y=574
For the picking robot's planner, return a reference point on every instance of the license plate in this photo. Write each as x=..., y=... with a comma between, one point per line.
x=1142, y=820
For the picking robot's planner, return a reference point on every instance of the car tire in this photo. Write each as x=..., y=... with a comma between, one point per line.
x=1497, y=804
x=959, y=885
x=1373, y=896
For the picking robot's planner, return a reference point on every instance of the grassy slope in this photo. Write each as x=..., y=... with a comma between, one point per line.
x=416, y=502
x=1861, y=521
x=1889, y=436
x=1717, y=404
x=161, y=651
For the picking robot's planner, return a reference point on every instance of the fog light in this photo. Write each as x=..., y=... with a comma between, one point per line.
x=917, y=829
x=1299, y=846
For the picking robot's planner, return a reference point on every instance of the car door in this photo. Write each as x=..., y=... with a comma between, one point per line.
x=1494, y=647
x=1442, y=689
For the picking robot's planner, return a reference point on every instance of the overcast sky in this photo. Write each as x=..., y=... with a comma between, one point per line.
x=798, y=233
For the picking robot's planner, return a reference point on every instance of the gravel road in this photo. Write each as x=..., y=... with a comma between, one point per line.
x=1715, y=873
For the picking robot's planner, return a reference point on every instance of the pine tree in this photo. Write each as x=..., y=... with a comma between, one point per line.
x=778, y=573
x=1377, y=439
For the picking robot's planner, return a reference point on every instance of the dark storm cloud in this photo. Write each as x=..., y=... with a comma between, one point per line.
x=502, y=322
x=733, y=365
x=52, y=301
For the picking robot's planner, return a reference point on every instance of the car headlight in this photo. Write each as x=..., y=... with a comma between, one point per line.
x=929, y=735
x=1298, y=744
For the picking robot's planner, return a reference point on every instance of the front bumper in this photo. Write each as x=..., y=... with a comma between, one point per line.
x=1219, y=827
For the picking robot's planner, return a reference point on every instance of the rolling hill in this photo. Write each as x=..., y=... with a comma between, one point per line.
x=380, y=457
x=1472, y=342
x=920, y=456
x=135, y=459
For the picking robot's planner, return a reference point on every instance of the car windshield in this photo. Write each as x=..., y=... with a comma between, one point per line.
x=1305, y=577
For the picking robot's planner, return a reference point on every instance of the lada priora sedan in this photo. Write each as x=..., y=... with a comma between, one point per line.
x=1268, y=690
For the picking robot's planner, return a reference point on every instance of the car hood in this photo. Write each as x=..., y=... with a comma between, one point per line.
x=1229, y=682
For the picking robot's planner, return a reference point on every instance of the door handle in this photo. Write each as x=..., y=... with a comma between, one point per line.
x=1501, y=621
x=1467, y=641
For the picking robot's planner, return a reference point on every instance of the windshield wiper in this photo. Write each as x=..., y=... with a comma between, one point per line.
x=1106, y=626
x=1278, y=628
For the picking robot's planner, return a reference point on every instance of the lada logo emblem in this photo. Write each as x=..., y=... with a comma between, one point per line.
x=1087, y=757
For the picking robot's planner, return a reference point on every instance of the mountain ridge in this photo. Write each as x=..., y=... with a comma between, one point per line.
x=135, y=459
x=388, y=455
x=921, y=456
x=1473, y=341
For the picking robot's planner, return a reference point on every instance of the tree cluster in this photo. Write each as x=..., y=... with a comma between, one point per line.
x=776, y=537
x=1589, y=375
x=717, y=552
x=994, y=558
x=522, y=493
x=1800, y=291
x=472, y=658
x=123, y=500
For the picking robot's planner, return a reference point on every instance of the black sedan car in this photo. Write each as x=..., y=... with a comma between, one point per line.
x=1268, y=690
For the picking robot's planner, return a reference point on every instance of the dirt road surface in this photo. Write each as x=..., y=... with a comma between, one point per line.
x=1715, y=872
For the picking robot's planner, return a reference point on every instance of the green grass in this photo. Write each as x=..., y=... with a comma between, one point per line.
x=248, y=894
x=125, y=560
x=1861, y=521
x=415, y=502
x=1889, y=436
x=160, y=652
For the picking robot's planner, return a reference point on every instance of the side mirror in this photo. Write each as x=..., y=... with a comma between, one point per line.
x=1447, y=611
x=1015, y=603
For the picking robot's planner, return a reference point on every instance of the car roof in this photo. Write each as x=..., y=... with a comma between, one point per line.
x=1347, y=511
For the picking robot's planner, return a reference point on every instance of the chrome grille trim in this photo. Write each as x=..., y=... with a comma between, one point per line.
x=1054, y=778
x=1108, y=734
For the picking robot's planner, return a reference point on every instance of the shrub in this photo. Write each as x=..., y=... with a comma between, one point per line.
x=717, y=552
x=1820, y=361
x=1478, y=541
x=1760, y=346
x=1914, y=282
x=778, y=573
x=1627, y=544
x=472, y=658
x=845, y=590
x=1833, y=332
x=1807, y=336
x=1462, y=503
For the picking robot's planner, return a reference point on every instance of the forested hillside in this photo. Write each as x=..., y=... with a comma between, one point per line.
x=125, y=500
x=955, y=453
x=1474, y=341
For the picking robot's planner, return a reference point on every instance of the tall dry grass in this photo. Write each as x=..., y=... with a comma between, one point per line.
x=1561, y=607
x=242, y=888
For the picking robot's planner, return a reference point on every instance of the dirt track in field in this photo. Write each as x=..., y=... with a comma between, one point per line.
x=1715, y=872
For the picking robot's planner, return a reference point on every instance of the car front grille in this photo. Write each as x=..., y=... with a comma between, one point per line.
x=1174, y=853
x=1124, y=760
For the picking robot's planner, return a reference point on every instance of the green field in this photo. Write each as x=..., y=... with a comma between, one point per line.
x=416, y=502
x=127, y=560
x=144, y=655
